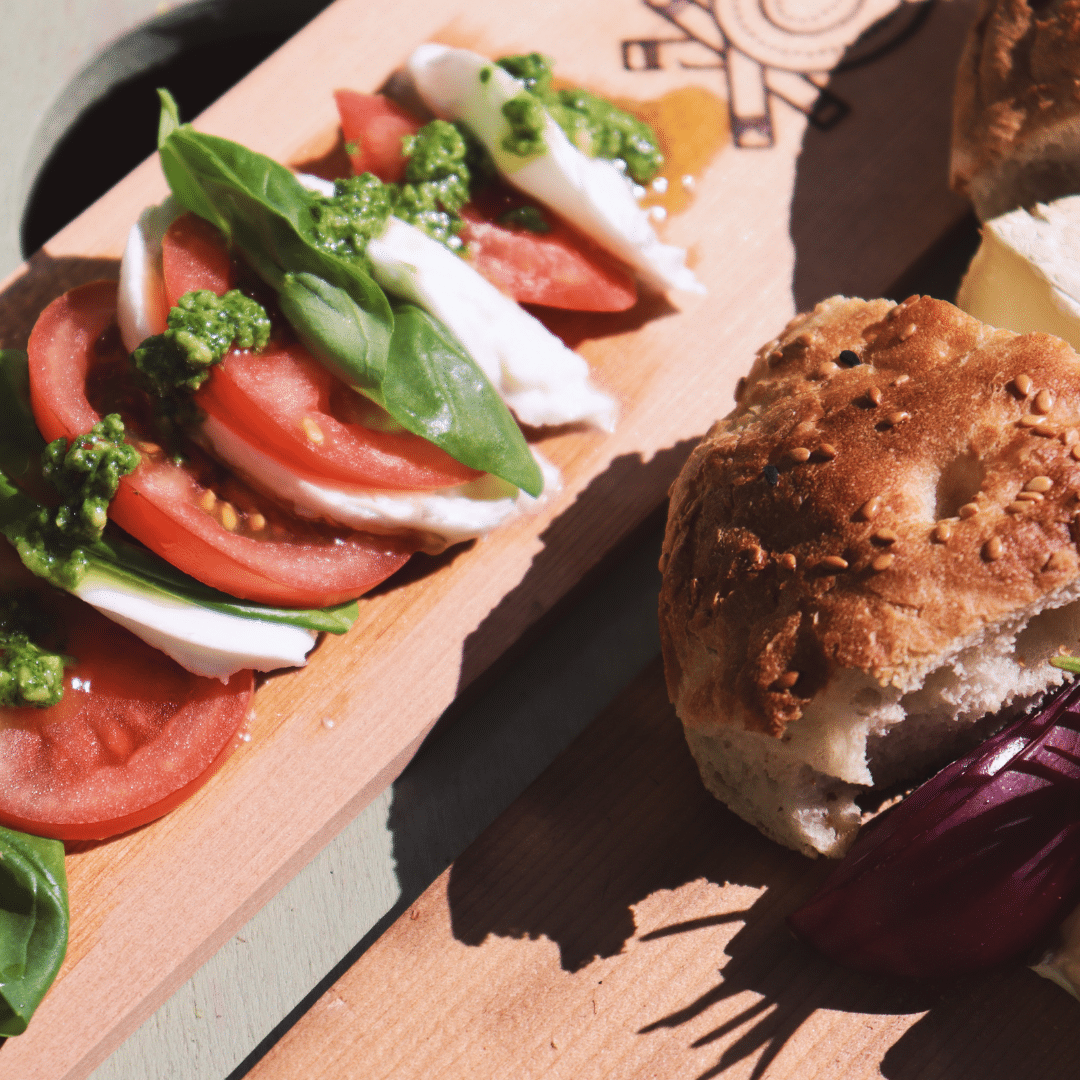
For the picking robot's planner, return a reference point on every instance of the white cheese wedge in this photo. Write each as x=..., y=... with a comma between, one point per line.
x=1026, y=274
x=204, y=641
x=439, y=517
x=542, y=381
x=590, y=193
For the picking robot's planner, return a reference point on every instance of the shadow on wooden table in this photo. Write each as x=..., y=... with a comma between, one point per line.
x=620, y=829
x=42, y=280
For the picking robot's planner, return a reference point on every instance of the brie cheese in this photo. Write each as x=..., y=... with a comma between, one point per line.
x=1026, y=274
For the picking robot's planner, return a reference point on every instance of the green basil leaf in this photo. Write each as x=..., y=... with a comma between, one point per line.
x=33, y=924
x=433, y=388
x=169, y=120
x=116, y=558
x=20, y=443
x=419, y=373
x=331, y=326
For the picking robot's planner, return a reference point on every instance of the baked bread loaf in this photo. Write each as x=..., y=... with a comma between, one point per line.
x=1016, y=119
x=870, y=558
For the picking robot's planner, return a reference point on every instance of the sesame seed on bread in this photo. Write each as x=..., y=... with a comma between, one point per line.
x=1016, y=116
x=883, y=530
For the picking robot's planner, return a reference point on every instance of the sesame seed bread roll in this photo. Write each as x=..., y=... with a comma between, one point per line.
x=868, y=562
x=1016, y=115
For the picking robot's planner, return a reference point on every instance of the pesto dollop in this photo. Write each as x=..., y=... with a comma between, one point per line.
x=202, y=329
x=29, y=673
x=444, y=165
x=86, y=474
x=595, y=126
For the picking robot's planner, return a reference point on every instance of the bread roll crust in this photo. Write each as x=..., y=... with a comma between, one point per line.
x=921, y=495
x=1016, y=118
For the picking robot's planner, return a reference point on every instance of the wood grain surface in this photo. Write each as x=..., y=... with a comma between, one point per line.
x=617, y=921
x=769, y=229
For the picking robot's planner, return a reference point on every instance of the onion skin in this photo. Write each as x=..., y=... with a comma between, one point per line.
x=973, y=869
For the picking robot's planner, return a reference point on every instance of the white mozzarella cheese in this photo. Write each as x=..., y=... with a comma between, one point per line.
x=538, y=377
x=1026, y=274
x=141, y=308
x=203, y=641
x=441, y=517
x=590, y=193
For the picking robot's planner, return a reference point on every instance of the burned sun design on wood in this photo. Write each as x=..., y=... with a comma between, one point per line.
x=776, y=51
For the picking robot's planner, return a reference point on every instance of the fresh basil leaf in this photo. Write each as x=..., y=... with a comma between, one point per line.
x=420, y=373
x=169, y=120
x=117, y=558
x=33, y=924
x=20, y=443
x=331, y=326
x=433, y=388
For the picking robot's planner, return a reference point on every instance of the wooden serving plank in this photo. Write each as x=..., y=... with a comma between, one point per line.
x=148, y=908
x=617, y=921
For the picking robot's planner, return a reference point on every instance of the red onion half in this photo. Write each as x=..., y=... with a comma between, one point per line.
x=972, y=869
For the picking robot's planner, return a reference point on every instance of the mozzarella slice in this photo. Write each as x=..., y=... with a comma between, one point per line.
x=440, y=518
x=538, y=377
x=141, y=307
x=590, y=193
x=1026, y=274
x=204, y=641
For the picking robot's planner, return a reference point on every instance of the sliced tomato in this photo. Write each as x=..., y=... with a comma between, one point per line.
x=376, y=125
x=298, y=411
x=560, y=268
x=134, y=735
x=197, y=516
x=309, y=420
x=194, y=256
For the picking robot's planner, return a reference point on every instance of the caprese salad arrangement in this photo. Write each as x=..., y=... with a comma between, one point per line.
x=295, y=386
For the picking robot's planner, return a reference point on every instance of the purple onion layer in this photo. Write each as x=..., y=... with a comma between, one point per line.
x=973, y=869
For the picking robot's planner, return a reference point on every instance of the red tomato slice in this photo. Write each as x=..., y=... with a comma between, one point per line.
x=298, y=412
x=194, y=256
x=376, y=125
x=134, y=735
x=560, y=268
x=309, y=420
x=202, y=520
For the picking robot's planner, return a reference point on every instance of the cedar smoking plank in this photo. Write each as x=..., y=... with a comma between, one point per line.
x=617, y=921
x=812, y=212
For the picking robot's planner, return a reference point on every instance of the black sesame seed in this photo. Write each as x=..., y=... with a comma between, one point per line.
x=848, y=359
x=771, y=474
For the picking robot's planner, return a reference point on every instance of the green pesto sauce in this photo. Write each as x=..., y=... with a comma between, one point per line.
x=86, y=474
x=29, y=675
x=526, y=116
x=202, y=329
x=444, y=165
x=595, y=126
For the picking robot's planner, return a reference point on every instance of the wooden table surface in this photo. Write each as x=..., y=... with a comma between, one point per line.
x=850, y=206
